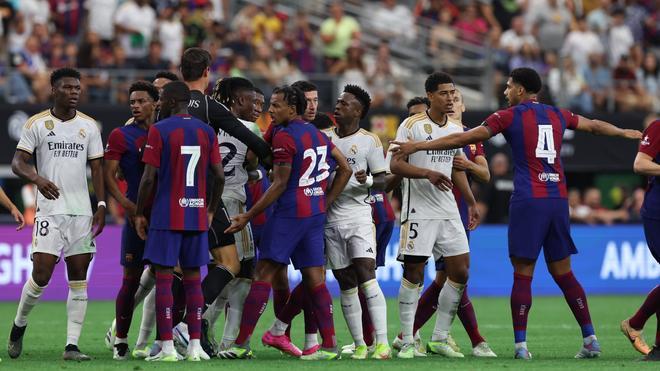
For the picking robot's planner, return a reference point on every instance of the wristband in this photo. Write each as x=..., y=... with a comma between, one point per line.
x=370, y=181
x=101, y=203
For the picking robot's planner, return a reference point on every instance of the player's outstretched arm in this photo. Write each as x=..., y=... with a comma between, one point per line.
x=146, y=188
x=99, y=190
x=21, y=166
x=644, y=165
x=392, y=181
x=460, y=180
x=18, y=216
x=456, y=140
x=401, y=167
x=343, y=174
x=110, y=171
x=599, y=127
x=218, y=187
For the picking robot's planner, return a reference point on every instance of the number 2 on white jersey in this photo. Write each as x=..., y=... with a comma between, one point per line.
x=323, y=167
x=192, y=164
x=546, y=140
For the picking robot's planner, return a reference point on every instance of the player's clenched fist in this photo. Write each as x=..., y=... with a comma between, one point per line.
x=141, y=224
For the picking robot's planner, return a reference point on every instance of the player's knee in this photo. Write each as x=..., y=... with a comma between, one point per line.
x=345, y=278
x=365, y=270
x=281, y=280
x=313, y=277
x=460, y=276
x=41, y=278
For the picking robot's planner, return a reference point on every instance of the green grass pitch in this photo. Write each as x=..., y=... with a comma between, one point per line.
x=553, y=338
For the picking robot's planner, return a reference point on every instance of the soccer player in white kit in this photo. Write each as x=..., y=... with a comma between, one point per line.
x=430, y=221
x=350, y=234
x=62, y=140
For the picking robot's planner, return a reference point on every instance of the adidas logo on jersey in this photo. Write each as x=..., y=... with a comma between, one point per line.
x=370, y=250
x=413, y=211
x=429, y=138
x=51, y=134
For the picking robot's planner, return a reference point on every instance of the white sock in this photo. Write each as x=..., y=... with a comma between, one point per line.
x=377, y=309
x=350, y=306
x=29, y=298
x=311, y=340
x=237, y=296
x=408, y=300
x=448, y=300
x=147, y=282
x=522, y=344
x=589, y=339
x=194, y=344
x=121, y=341
x=167, y=346
x=278, y=328
x=148, y=320
x=76, y=307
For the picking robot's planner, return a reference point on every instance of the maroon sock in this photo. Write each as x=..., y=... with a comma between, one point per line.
x=179, y=295
x=125, y=304
x=255, y=304
x=367, y=326
x=469, y=319
x=577, y=300
x=322, y=303
x=428, y=304
x=521, y=303
x=195, y=304
x=293, y=306
x=650, y=306
x=280, y=298
x=164, y=305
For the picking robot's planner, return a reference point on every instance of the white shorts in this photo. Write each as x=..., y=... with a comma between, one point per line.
x=433, y=237
x=346, y=242
x=68, y=234
x=244, y=240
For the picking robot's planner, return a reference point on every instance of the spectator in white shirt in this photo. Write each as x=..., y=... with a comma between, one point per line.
x=390, y=20
x=100, y=19
x=580, y=43
x=514, y=38
x=620, y=36
x=170, y=33
x=135, y=23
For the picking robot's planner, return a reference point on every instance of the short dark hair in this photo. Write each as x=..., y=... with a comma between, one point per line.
x=435, y=79
x=177, y=90
x=167, y=75
x=305, y=86
x=361, y=95
x=193, y=63
x=226, y=90
x=293, y=97
x=61, y=73
x=323, y=121
x=418, y=100
x=146, y=87
x=527, y=78
x=259, y=91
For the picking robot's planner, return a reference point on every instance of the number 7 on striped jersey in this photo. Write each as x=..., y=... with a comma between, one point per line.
x=195, y=153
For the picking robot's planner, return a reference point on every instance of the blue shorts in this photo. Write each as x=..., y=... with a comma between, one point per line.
x=540, y=223
x=167, y=248
x=652, y=233
x=132, y=247
x=383, y=235
x=297, y=239
x=440, y=263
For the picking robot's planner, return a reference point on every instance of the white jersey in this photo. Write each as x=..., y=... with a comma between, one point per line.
x=421, y=199
x=61, y=150
x=364, y=151
x=233, y=153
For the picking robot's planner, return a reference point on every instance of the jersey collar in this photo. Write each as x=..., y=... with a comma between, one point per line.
x=435, y=122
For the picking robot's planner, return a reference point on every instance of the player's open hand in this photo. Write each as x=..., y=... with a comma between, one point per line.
x=402, y=149
x=361, y=176
x=474, y=217
x=632, y=134
x=238, y=222
x=18, y=217
x=440, y=180
x=47, y=188
x=462, y=163
x=98, y=221
x=141, y=223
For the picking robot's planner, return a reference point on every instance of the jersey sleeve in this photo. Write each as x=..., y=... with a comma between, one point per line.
x=29, y=138
x=116, y=146
x=221, y=118
x=498, y=121
x=375, y=158
x=95, y=149
x=650, y=143
x=284, y=148
x=214, y=156
x=570, y=118
x=154, y=147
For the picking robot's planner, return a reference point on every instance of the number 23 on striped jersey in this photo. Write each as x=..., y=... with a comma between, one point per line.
x=318, y=156
x=545, y=147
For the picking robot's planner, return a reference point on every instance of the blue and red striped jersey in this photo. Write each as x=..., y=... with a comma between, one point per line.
x=650, y=145
x=125, y=145
x=471, y=152
x=534, y=131
x=381, y=208
x=183, y=149
x=308, y=151
x=254, y=191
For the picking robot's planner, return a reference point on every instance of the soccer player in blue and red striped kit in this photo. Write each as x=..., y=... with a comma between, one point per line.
x=303, y=160
x=539, y=206
x=182, y=150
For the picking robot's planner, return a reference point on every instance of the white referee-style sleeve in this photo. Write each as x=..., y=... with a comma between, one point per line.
x=402, y=135
x=375, y=157
x=29, y=137
x=94, y=143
